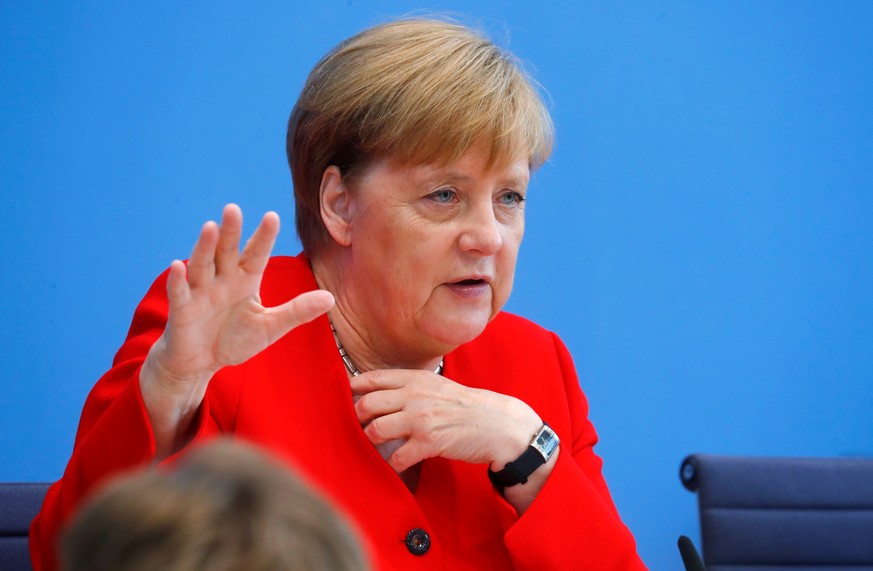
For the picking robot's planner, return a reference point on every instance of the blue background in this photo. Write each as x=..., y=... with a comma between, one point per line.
x=701, y=238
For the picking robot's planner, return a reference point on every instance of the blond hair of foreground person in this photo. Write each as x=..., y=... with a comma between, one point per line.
x=225, y=507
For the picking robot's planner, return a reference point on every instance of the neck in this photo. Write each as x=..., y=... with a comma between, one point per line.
x=351, y=368
x=354, y=330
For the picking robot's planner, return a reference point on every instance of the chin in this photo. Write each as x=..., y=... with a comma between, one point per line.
x=457, y=332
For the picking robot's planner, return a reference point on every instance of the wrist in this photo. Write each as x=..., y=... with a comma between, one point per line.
x=167, y=384
x=542, y=446
x=170, y=414
x=523, y=495
x=170, y=399
x=522, y=424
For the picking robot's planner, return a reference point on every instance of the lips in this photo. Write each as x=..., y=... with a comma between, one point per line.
x=469, y=287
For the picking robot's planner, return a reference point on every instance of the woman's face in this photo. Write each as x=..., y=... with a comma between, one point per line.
x=433, y=248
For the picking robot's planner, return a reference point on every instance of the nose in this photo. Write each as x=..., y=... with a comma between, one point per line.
x=481, y=233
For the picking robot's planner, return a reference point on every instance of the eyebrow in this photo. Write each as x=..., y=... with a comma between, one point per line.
x=449, y=175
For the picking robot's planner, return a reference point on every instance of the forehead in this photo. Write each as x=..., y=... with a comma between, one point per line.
x=473, y=167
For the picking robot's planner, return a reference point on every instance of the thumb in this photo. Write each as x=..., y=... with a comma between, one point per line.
x=302, y=309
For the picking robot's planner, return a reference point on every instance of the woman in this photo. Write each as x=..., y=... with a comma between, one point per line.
x=410, y=147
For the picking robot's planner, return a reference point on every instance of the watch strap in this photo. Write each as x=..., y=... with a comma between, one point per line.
x=518, y=471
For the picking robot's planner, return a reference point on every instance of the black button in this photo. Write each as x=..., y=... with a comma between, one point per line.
x=417, y=541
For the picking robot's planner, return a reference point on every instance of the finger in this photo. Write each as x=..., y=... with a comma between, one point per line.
x=227, y=251
x=178, y=292
x=378, y=403
x=201, y=265
x=388, y=427
x=408, y=455
x=302, y=309
x=380, y=379
x=257, y=250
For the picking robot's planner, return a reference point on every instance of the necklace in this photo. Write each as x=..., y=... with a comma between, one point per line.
x=347, y=360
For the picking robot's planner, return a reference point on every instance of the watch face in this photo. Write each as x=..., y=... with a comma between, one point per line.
x=545, y=442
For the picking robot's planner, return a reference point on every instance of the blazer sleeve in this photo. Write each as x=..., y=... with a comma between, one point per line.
x=573, y=523
x=114, y=433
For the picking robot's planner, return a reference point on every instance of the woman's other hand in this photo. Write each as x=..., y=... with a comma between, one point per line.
x=215, y=319
x=435, y=416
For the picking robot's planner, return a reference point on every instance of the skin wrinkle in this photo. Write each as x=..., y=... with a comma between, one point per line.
x=390, y=211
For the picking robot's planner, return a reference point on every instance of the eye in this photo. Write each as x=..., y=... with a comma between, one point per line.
x=444, y=195
x=510, y=198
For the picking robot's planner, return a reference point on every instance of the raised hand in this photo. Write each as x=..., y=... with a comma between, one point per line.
x=215, y=319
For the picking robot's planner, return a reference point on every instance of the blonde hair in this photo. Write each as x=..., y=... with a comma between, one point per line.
x=412, y=91
x=226, y=508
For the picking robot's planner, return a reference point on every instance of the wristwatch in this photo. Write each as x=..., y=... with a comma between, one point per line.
x=541, y=448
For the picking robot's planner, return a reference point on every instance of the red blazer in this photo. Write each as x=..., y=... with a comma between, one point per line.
x=294, y=399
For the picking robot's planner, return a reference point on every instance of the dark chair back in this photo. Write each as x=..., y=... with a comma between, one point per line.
x=781, y=514
x=19, y=504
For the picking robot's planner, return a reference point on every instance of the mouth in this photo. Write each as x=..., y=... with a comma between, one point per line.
x=470, y=287
x=470, y=282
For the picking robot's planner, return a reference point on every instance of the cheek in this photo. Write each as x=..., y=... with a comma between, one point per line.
x=512, y=241
x=507, y=262
x=509, y=256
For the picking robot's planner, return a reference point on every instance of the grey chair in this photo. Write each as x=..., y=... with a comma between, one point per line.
x=781, y=514
x=19, y=504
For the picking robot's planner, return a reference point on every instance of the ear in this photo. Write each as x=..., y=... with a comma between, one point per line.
x=334, y=202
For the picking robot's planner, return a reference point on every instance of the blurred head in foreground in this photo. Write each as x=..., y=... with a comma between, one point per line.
x=226, y=507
